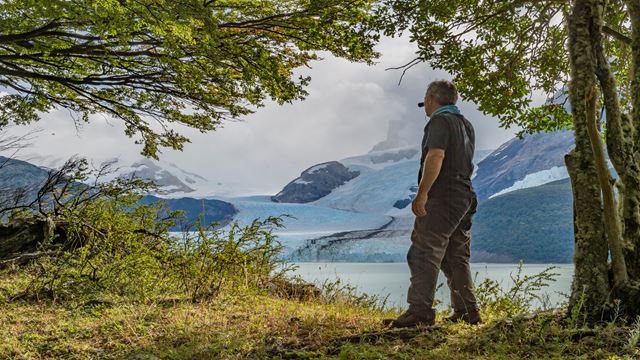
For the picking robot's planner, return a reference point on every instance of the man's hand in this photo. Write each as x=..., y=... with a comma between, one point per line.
x=419, y=203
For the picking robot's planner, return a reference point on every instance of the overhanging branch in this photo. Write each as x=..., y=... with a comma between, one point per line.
x=616, y=35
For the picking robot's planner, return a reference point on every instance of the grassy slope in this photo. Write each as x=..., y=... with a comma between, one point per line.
x=260, y=326
x=534, y=224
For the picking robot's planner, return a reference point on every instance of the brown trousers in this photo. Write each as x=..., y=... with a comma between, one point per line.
x=440, y=241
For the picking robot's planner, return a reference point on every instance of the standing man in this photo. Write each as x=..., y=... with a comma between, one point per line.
x=444, y=206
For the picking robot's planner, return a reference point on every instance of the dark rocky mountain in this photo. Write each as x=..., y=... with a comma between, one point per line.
x=207, y=210
x=315, y=183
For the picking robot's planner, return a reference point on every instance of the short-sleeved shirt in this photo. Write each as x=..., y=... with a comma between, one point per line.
x=455, y=134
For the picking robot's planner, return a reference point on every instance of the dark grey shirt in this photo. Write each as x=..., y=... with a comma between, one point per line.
x=447, y=131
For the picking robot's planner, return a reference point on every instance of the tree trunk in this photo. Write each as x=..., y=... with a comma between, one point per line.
x=611, y=218
x=631, y=201
x=622, y=147
x=631, y=222
x=590, y=287
x=19, y=239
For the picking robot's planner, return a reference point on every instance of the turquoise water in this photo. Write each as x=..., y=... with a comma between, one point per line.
x=391, y=280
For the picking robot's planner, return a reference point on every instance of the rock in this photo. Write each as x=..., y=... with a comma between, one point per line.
x=315, y=183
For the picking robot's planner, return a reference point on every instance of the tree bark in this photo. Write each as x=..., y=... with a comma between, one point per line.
x=19, y=239
x=611, y=218
x=590, y=280
x=622, y=147
x=619, y=143
x=631, y=201
x=590, y=287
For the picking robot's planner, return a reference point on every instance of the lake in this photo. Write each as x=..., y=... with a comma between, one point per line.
x=392, y=279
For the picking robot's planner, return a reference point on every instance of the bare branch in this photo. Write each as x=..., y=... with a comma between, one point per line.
x=617, y=35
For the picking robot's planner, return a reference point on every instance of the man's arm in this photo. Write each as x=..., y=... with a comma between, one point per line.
x=431, y=170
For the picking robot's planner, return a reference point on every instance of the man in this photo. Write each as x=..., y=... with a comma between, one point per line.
x=444, y=206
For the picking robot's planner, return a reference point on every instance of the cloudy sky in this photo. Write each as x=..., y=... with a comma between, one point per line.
x=346, y=113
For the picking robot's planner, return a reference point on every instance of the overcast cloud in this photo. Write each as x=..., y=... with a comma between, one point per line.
x=346, y=113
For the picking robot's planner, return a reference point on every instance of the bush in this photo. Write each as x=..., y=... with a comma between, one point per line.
x=519, y=299
x=115, y=246
x=208, y=260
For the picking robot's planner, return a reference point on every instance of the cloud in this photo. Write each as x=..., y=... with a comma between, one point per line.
x=346, y=113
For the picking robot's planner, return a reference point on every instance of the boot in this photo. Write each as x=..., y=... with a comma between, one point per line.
x=411, y=319
x=472, y=317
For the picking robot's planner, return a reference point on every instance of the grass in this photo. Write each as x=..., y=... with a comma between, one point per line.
x=261, y=326
x=228, y=327
x=125, y=288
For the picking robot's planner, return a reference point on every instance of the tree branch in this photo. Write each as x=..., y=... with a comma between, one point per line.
x=617, y=35
x=12, y=38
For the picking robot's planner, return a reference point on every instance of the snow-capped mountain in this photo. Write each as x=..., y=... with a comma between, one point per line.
x=16, y=174
x=172, y=180
x=535, y=160
x=385, y=180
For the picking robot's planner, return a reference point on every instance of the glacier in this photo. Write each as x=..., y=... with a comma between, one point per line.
x=536, y=179
x=308, y=221
x=356, y=221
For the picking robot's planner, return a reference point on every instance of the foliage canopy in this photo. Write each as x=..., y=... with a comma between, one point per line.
x=154, y=63
x=504, y=54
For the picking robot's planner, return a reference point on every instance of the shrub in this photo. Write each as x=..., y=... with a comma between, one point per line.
x=518, y=299
x=115, y=246
x=208, y=260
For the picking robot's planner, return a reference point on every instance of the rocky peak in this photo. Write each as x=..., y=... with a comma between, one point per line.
x=315, y=183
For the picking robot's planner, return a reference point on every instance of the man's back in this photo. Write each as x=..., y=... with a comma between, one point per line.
x=455, y=134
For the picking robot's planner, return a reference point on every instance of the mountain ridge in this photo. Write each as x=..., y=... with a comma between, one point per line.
x=18, y=173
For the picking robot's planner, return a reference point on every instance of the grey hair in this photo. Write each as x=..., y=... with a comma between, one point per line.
x=444, y=92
